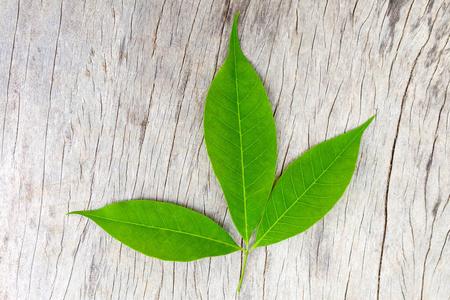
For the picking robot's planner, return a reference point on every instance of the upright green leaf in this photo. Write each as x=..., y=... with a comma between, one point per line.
x=310, y=187
x=240, y=138
x=163, y=230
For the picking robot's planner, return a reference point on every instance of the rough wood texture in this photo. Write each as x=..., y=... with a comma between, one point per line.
x=102, y=101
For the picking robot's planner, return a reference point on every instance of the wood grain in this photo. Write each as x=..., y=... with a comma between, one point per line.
x=102, y=101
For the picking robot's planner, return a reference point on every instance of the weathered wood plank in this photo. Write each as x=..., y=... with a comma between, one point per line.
x=103, y=102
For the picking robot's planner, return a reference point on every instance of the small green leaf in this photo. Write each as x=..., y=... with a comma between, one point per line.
x=240, y=138
x=163, y=230
x=310, y=187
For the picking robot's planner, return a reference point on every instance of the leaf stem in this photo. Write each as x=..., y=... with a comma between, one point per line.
x=243, y=269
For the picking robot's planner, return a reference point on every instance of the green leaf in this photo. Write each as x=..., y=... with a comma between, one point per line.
x=310, y=187
x=163, y=230
x=240, y=138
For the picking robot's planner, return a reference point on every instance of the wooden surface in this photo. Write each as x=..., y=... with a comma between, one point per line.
x=102, y=101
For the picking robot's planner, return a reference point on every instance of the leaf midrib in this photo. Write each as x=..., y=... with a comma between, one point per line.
x=240, y=140
x=306, y=190
x=167, y=229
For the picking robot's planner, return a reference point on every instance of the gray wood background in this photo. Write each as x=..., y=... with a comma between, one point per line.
x=102, y=101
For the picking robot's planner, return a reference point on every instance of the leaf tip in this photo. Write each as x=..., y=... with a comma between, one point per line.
x=234, y=28
x=75, y=213
x=236, y=17
x=367, y=123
